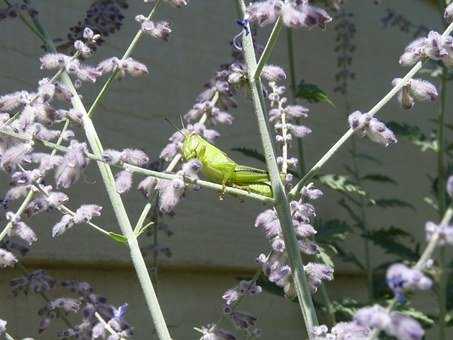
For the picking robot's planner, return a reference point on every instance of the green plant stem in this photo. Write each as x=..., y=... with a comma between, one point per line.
x=441, y=180
x=18, y=213
x=300, y=151
x=281, y=202
x=375, y=109
x=421, y=263
x=130, y=49
x=162, y=175
x=8, y=337
x=270, y=44
x=118, y=206
x=293, y=84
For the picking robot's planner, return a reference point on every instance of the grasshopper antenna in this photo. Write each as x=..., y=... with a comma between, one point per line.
x=173, y=126
x=182, y=122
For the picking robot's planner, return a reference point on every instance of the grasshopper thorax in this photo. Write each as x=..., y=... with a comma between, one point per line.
x=191, y=145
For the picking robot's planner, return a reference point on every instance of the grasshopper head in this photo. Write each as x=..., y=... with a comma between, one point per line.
x=190, y=145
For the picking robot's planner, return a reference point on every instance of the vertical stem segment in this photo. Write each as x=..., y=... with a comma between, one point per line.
x=441, y=180
x=281, y=201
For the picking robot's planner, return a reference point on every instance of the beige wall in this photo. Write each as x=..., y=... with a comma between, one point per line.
x=215, y=240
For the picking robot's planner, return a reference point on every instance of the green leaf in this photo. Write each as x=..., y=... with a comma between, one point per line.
x=379, y=178
x=393, y=203
x=118, y=237
x=341, y=183
x=252, y=153
x=324, y=256
x=392, y=240
x=414, y=135
x=369, y=158
x=312, y=93
x=346, y=308
x=431, y=202
x=332, y=230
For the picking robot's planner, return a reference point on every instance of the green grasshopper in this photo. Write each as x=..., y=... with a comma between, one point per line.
x=219, y=168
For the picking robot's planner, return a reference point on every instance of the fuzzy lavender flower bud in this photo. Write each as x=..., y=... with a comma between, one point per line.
x=314, y=16
x=74, y=162
x=414, y=52
x=64, y=224
x=82, y=48
x=20, y=229
x=52, y=61
x=298, y=131
x=134, y=157
x=404, y=327
x=450, y=186
x=448, y=14
x=273, y=73
x=68, y=305
x=263, y=13
x=159, y=30
x=316, y=273
x=415, y=90
x=350, y=330
x=170, y=194
x=372, y=128
x=242, y=320
x=11, y=101
x=373, y=317
x=14, y=156
x=211, y=332
x=3, y=324
x=147, y=186
x=177, y=3
x=7, y=259
x=401, y=278
x=268, y=221
x=293, y=17
x=86, y=212
x=443, y=232
x=123, y=181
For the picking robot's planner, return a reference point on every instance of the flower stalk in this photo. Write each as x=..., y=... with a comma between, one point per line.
x=348, y=134
x=281, y=201
x=118, y=206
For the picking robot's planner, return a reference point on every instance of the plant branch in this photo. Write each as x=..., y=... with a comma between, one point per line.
x=130, y=49
x=421, y=263
x=281, y=202
x=375, y=109
x=118, y=207
x=265, y=56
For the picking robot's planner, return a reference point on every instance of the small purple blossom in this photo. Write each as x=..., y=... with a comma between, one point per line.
x=405, y=328
x=123, y=181
x=86, y=212
x=401, y=278
x=20, y=229
x=373, y=317
x=415, y=90
x=3, y=324
x=74, y=162
x=371, y=127
x=450, y=186
x=36, y=282
x=443, y=232
x=317, y=273
x=7, y=259
x=159, y=30
x=211, y=332
x=448, y=14
x=67, y=305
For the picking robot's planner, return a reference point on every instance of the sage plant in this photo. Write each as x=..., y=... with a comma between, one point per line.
x=54, y=117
